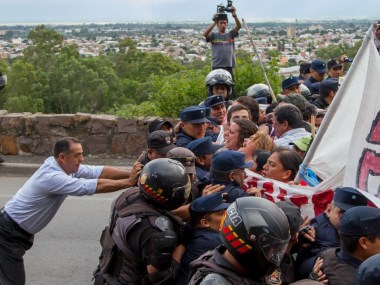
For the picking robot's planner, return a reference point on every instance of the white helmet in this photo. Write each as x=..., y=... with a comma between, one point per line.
x=219, y=76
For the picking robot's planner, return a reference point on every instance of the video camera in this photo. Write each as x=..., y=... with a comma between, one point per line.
x=221, y=9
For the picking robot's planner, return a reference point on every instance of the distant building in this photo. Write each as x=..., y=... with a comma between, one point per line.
x=291, y=32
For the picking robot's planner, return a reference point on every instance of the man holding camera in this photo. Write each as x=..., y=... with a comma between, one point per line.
x=222, y=42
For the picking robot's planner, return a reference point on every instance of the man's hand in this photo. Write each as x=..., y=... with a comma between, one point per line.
x=308, y=234
x=135, y=173
x=215, y=18
x=254, y=191
x=210, y=189
x=317, y=273
x=233, y=11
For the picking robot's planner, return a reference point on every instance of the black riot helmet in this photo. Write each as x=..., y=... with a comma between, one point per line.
x=164, y=183
x=219, y=76
x=3, y=80
x=260, y=92
x=256, y=232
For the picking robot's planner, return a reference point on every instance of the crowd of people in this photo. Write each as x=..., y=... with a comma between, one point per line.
x=186, y=216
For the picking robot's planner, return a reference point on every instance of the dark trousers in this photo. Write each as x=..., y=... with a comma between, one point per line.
x=14, y=242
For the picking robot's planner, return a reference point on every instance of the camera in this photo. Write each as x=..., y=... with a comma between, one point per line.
x=347, y=59
x=221, y=9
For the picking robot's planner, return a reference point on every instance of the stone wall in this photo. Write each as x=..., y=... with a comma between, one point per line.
x=101, y=135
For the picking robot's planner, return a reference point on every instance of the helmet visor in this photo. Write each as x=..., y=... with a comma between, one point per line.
x=3, y=80
x=272, y=248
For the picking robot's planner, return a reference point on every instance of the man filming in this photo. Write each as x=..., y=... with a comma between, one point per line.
x=222, y=42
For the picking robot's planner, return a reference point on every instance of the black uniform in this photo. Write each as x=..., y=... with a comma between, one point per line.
x=339, y=267
x=214, y=269
x=130, y=243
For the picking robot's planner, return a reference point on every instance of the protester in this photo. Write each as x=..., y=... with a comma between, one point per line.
x=238, y=131
x=259, y=158
x=193, y=125
x=301, y=145
x=252, y=105
x=282, y=165
x=139, y=245
x=222, y=42
x=254, y=233
x=159, y=143
x=258, y=141
x=38, y=200
x=237, y=111
x=202, y=234
x=288, y=125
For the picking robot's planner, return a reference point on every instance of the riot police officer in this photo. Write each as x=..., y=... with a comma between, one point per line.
x=254, y=233
x=220, y=82
x=260, y=92
x=138, y=247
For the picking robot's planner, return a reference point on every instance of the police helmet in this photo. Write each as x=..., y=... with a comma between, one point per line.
x=260, y=92
x=3, y=80
x=305, y=91
x=219, y=76
x=256, y=232
x=164, y=183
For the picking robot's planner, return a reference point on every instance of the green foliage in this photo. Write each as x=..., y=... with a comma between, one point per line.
x=249, y=72
x=52, y=77
x=178, y=91
x=144, y=109
x=25, y=103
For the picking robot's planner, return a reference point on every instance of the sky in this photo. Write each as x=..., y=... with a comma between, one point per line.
x=84, y=11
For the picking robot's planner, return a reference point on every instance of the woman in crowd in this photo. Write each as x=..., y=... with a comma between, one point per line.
x=258, y=141
x=282, y=165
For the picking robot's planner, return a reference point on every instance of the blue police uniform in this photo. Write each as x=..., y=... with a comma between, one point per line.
x=201, y=241
x=312, y=84
x=183, y=139
x=340, y=265
x=368, y=272
x=326, y=234
x=192, y=114
x=198, y=240
x=232, y=189
x=224, y=162
x=202, y=147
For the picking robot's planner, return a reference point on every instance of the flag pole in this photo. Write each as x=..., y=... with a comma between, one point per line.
x=261, y=63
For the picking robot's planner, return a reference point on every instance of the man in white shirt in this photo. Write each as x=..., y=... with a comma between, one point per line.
x=38, y=200
x=288, y=125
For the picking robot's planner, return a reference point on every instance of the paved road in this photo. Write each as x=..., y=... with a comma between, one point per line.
x=67, y=250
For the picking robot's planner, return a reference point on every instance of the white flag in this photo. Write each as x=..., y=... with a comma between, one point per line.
x=341, y=138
